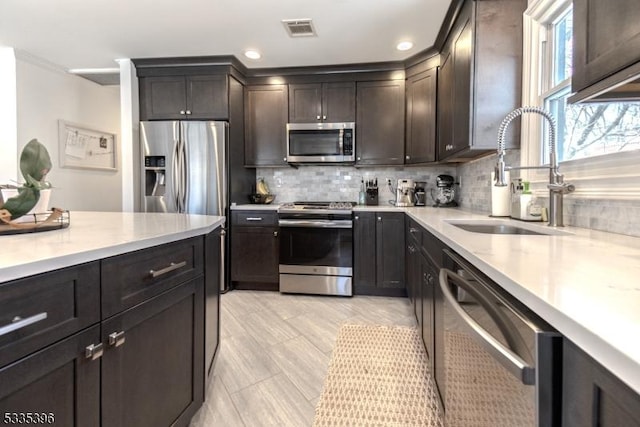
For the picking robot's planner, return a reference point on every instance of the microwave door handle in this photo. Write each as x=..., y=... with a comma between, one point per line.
x=505, y=356
x=341, y=142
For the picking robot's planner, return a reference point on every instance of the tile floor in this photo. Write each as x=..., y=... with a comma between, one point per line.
x=275, y=350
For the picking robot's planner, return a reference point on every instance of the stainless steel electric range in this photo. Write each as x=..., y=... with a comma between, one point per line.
x=316, y=248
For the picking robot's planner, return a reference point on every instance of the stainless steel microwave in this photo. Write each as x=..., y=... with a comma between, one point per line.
x=321, y=142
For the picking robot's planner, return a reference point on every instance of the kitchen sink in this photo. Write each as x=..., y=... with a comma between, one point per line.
x=499, y=226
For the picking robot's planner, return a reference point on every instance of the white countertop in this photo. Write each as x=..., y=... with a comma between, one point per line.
x=586, y=285
x=96, y=235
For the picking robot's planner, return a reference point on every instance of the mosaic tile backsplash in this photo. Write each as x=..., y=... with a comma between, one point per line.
x=342, y=183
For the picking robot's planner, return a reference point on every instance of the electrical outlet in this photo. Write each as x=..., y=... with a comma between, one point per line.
x=460, y=181
x=388, y=181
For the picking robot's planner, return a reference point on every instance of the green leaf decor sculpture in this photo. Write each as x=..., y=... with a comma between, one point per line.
x=35, y=163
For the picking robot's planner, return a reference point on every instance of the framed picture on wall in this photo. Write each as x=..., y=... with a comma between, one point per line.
x=85, y=148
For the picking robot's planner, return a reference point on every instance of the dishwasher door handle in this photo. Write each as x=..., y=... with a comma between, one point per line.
x=507, y=358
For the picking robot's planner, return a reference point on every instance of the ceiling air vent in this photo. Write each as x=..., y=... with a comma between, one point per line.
x=299, y=27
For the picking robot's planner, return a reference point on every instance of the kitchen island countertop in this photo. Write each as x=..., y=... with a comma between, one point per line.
x=96, y=235
x=585, y=283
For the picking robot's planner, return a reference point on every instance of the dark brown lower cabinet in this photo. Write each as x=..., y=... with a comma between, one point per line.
x=378, y=253
x=255, y=250
x=592, y=396
x=143, y=366
x=58, y=383
x=153, y=366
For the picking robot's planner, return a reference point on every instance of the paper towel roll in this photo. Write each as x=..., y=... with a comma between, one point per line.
x=500, y=197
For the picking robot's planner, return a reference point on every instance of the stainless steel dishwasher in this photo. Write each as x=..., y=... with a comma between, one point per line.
x=498, y=364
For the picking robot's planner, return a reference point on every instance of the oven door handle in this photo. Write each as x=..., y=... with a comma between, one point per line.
x=316, y=223
x=507, y=358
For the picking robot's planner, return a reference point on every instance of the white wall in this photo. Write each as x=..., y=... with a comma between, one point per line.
x=130, y=147
x=8, y=128
x=46, y=94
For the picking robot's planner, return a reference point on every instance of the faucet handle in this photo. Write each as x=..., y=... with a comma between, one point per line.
x=563, y=188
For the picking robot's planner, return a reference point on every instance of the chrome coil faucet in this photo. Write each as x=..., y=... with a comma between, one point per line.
x=557, y=187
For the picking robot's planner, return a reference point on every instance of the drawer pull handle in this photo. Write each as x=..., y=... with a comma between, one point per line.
x=173, y=266
x=94, y=351
x=254, y=218
x=116, y=339
x=19, y=323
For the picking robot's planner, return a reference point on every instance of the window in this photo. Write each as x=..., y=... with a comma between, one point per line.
x=587, y=129
x=597, y=142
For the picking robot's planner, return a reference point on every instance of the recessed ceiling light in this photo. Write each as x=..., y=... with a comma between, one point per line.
x=404, y=46
x=252, y=54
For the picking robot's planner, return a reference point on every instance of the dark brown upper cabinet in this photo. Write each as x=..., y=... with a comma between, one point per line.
x=322, y=102
x=480, y=78
x=195, y=97
x=266, y=112
x=420, y=142
x=606, y=50
x=380, y=123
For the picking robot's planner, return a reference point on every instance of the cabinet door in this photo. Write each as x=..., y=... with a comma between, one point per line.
x=438, y=340
x=305, y=104
x=380, y=123
x=462, y=55
x=445, y=106
x=421, y=117
x=207, y=97
x=390, y=249
x=592, y=396
x=58, y=383
x=428, y=283
x=364, y=251
x=606, y=39
x=214, y=279
x=153, y=370
x=339, y=102
x=163, y=98
x=266, y=113
x=255, y=254
x=412, y=253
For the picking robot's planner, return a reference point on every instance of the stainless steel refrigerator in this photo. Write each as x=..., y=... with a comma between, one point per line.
x=184, y=170
x=184, y=167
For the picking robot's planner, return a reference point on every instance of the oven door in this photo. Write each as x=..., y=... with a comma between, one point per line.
x=316, y=256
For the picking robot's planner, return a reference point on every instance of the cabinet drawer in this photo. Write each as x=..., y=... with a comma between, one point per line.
x=132, y=278
x=39, y=310
x=254, y=218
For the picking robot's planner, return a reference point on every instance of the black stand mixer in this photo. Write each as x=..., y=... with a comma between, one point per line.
x=444, y=194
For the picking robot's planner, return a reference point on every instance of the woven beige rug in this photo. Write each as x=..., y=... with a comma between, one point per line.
x=378, y=376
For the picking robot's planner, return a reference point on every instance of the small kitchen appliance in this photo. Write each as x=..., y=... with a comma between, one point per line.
x=315, y=143
x=420, y=196
x=405, y=192
x=444, y=194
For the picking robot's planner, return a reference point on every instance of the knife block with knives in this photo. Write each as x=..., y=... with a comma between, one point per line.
x=372, y=192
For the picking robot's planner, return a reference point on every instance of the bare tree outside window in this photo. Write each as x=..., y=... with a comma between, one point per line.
x=587, y=129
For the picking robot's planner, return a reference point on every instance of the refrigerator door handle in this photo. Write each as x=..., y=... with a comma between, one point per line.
x=179, y=176
x=183, y=177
